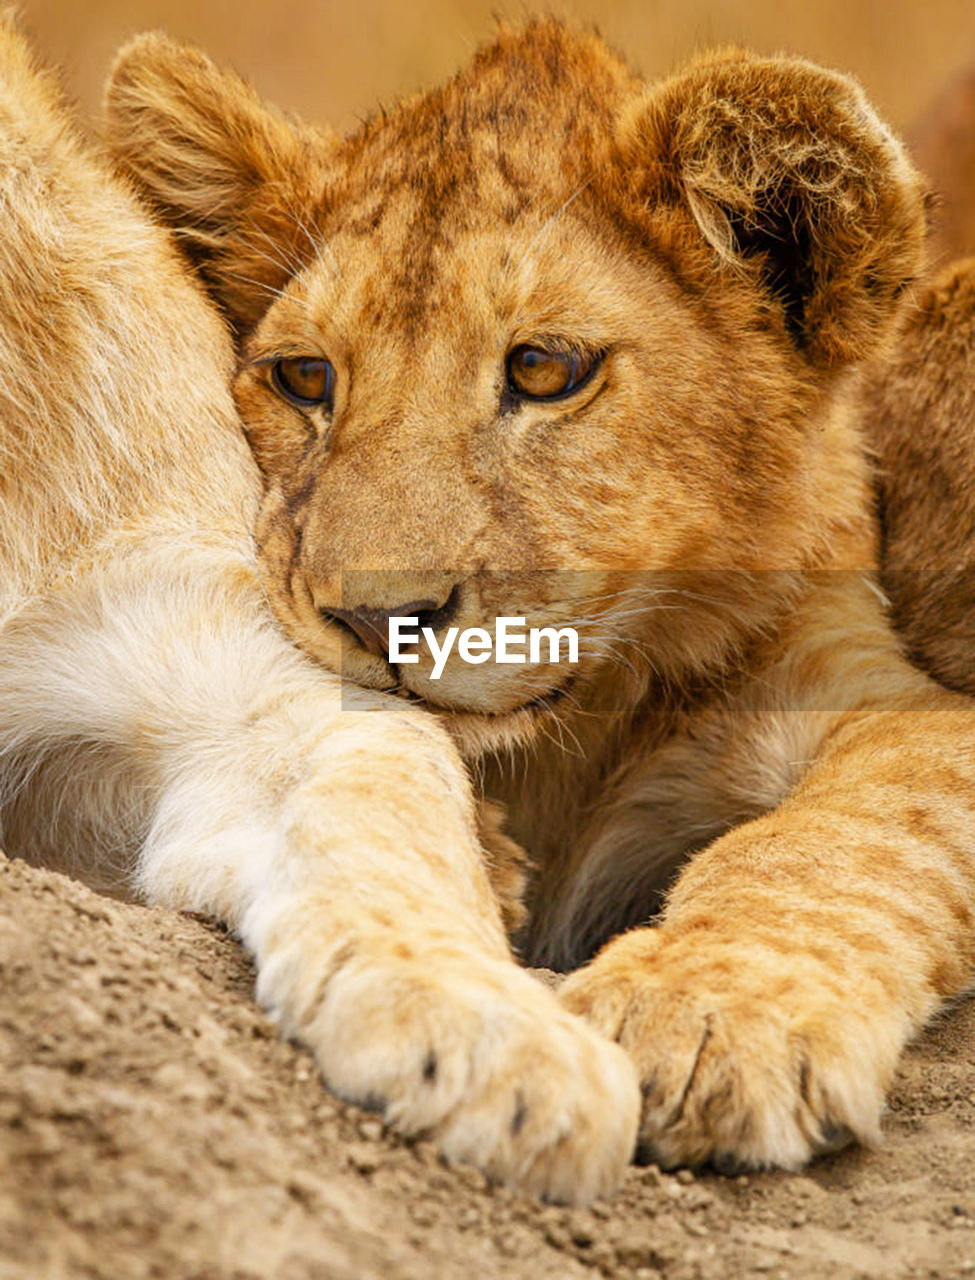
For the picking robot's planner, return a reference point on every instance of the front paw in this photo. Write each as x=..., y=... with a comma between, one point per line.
x=478, y=1056
x=749, y=1057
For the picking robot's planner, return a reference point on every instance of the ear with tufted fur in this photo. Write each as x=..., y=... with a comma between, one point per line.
x=790, y=176
x=233, y=176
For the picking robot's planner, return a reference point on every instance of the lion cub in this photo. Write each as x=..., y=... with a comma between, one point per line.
x=158, y=732
x=553, y=343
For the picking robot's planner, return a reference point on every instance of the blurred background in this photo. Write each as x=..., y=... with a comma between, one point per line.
x=335, y=60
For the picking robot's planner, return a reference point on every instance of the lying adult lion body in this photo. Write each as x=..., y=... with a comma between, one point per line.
x=159, y=734
x=549, y=342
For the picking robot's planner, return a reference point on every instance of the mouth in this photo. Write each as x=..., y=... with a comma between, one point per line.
x=539, y=702
x=477, y=732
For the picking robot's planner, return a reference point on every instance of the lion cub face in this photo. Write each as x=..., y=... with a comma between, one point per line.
x=545, y=343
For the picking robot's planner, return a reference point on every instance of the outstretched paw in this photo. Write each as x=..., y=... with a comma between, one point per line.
x=747, y=1058
x=475, y=1054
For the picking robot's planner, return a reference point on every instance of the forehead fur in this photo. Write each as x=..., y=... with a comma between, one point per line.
x=771, y=167
x=528, y=114
x=431, y=197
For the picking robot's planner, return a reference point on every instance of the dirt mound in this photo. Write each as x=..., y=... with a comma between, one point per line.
x=153, y=1125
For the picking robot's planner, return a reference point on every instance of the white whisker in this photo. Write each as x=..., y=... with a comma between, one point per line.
x=550, y=222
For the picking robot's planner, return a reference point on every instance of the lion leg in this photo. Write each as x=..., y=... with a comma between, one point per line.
x=799, y=952
x=334, y=832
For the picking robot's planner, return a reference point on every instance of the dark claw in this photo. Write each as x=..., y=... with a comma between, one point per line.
x=521, y=1114
x=727, y=1164
x=833, y=1136
x=371, y=1102
x=648, y=1086
x=646, y=1153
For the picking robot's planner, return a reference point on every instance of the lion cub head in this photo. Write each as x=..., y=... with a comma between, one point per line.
x=547, y=342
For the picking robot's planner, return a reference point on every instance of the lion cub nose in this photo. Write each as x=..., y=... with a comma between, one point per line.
x=371, y=626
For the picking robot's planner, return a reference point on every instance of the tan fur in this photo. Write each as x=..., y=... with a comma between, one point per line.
x=920, y=414
x=733, y=244
x=159, y=735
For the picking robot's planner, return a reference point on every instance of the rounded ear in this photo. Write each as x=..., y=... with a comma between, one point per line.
x=790, y=177
x=232, y=176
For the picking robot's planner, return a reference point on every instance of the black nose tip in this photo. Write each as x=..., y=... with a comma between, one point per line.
x=371, y=626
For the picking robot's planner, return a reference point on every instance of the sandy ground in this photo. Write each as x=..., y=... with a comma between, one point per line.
x=153, y=1125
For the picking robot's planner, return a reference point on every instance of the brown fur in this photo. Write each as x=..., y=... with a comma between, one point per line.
x=920, y=413
x=731, y=245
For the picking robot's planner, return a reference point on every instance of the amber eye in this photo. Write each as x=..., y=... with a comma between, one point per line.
x=548, y=375
x=306, y=381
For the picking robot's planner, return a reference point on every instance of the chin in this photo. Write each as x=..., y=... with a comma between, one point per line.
x=477, y=733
